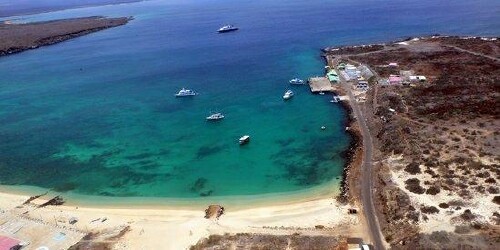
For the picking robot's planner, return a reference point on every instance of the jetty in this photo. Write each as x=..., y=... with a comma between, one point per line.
x=320, y=84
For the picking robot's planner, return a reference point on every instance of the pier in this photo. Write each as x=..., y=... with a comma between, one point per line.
x=320, y=84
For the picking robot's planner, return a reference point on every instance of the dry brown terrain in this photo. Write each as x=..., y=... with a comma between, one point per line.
x=267, y=241
x=438, y=152
x=15, y=38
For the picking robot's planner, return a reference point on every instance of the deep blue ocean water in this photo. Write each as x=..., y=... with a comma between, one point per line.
x=96, y=115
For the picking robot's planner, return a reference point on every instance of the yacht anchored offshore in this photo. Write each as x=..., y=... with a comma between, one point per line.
x=288, y=94
x=185, y=92
x=227, y=28
x=215, y=117
x=244, y=139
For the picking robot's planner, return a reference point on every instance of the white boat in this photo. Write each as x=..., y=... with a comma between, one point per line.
x=288, y=94
x=227, y=28
x=296, y=81
x=244, y=139
x=215, y=117
x=185, y=92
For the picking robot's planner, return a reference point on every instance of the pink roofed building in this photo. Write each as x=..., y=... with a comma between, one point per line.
x=7, y=243
x=395, y=79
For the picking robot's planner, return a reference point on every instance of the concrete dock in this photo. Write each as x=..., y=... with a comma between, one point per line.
x=320, y=84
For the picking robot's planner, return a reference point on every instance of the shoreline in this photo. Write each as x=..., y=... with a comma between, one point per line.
x=350, y=153
x=303, y=211
x=148, y=227
x=238, y=202
x=337, y=188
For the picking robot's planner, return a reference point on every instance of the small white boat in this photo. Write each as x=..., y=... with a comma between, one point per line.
x=296, y=81
x=244, y=139
x=321, y=93
x=215, y=117
x=227, y=28
x=288, y=94
x=185, y=92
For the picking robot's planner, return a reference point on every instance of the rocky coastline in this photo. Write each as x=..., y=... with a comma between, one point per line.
x=349, y=154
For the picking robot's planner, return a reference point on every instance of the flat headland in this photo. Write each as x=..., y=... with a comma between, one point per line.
x=15, y=38
x=432, y=124
x=10, y=8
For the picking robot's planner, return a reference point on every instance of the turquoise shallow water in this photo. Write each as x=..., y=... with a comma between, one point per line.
x=96, y=115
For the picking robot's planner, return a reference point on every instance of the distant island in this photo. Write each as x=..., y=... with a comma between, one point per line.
x=15, y=38
x=28, y=7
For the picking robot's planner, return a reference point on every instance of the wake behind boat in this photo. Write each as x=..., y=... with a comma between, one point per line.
x=185, y=92
x=215, y=117
x=227, y=28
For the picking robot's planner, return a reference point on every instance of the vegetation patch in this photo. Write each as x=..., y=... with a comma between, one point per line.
x=429, y=210
x=413, y=185
x=496, y=200
x=467, y=215
x=444, y=205
x=433, y=190
x=413, y=168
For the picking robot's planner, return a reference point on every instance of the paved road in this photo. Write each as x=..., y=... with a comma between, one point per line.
x=366, y=172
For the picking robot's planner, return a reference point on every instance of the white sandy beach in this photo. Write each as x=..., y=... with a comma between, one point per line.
x=172, y=228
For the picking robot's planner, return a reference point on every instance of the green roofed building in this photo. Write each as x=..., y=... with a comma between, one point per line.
x=333, y=77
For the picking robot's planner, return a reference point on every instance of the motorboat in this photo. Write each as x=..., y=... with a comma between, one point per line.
x=288, y=94
x=185, y=92
x=296, y=81
x=215, y=117
x=227, y=28
x=244, y=139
